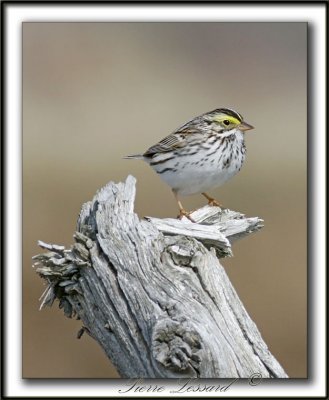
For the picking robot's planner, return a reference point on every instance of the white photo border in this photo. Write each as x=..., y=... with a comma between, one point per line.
x=13, y=15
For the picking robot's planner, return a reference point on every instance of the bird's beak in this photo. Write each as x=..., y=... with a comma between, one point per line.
x=245, y=127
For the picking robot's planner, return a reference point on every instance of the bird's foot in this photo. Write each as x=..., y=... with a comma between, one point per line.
x=211, y=200
x=184, y=213
x=214, y=203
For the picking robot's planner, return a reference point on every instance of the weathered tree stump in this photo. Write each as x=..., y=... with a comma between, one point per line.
x=153, y=293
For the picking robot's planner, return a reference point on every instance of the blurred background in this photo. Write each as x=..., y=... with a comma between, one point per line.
x=94, y=92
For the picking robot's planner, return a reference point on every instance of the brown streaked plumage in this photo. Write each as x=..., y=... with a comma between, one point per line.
x=203, y=153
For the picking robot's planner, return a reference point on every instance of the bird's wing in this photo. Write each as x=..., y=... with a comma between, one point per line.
x=171, y=142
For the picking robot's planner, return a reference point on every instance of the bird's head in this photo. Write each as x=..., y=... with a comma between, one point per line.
x=227, y=120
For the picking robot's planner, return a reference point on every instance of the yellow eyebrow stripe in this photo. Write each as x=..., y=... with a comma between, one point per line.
x=233, y=120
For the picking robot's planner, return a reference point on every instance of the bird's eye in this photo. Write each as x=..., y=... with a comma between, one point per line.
x=226, y=122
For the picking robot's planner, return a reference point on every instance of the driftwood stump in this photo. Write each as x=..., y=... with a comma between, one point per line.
x=153, y=293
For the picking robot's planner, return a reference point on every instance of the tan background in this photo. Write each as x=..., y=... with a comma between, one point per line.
x=93, y=93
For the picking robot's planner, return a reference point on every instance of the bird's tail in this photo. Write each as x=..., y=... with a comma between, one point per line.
x=135, y=157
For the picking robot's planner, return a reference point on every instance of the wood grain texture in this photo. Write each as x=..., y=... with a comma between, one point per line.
x=153, y=293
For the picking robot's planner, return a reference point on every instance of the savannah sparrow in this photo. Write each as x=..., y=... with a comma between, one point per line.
x=202, y=154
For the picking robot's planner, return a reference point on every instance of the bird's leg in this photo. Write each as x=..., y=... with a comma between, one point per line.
x=211, y=200
x=182, y=211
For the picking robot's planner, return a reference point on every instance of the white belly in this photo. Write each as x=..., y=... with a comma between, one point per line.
x=202, y=171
